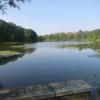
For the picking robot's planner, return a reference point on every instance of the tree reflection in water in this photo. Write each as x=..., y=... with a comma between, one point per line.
x=93, y=46
x=4, y=61
x=1, y=86
x=18, y=48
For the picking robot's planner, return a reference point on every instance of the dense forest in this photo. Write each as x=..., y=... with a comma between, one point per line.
x=80, y=36
x=9, y=32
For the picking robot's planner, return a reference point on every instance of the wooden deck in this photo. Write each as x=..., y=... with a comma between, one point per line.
x=50, y=91
x=70, y=87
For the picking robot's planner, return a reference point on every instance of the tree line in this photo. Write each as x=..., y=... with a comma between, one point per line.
x=93, y=35
x=10, y=32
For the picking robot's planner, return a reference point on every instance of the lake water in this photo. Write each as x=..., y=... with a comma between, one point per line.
x=52, y=62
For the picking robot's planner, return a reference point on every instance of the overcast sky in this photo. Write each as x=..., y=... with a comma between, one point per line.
x=50, y=16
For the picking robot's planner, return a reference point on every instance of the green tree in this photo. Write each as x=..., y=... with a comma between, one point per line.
x=9, y=32
x=4, y=4
x=30, y=35
x=80, y=35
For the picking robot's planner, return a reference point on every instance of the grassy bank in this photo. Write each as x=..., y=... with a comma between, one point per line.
x=8, y=54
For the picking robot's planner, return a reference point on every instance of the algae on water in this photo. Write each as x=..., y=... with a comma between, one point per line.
x=8, y=53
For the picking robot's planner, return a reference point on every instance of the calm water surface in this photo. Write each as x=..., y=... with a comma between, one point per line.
x=52, y=62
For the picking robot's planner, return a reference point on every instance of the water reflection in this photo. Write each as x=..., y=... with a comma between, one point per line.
x=4, y=61
x=18, y=48
x=93, y=46
x=95, y=55
x=1, y=86
x=52, y=62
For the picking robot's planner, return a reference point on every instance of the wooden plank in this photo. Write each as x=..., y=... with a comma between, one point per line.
x=70, y=87
x=4, y=91
x=38, y=91
x=50, y=90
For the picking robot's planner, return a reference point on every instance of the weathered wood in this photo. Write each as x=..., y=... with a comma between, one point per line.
x=70, y=87
x=4, y=91
x=51, y=90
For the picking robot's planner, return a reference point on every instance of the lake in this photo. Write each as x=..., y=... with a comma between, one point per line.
x=45, y=62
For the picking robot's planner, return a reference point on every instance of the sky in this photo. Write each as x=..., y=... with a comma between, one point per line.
x=51, y=16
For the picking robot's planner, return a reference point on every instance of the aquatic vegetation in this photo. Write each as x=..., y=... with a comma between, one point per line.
x=8, y=53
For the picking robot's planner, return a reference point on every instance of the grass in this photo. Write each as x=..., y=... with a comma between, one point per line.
x=18, y=46
x=6, y=53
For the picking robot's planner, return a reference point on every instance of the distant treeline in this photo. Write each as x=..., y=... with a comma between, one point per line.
x=9, y=32
x=80, y=35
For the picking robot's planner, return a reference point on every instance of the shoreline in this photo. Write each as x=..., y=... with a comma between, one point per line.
x=7, y=54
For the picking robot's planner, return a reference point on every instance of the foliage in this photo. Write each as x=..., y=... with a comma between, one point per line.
x=80, y=36
x=3, y=53
x=9, y=32
x=4, y=4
